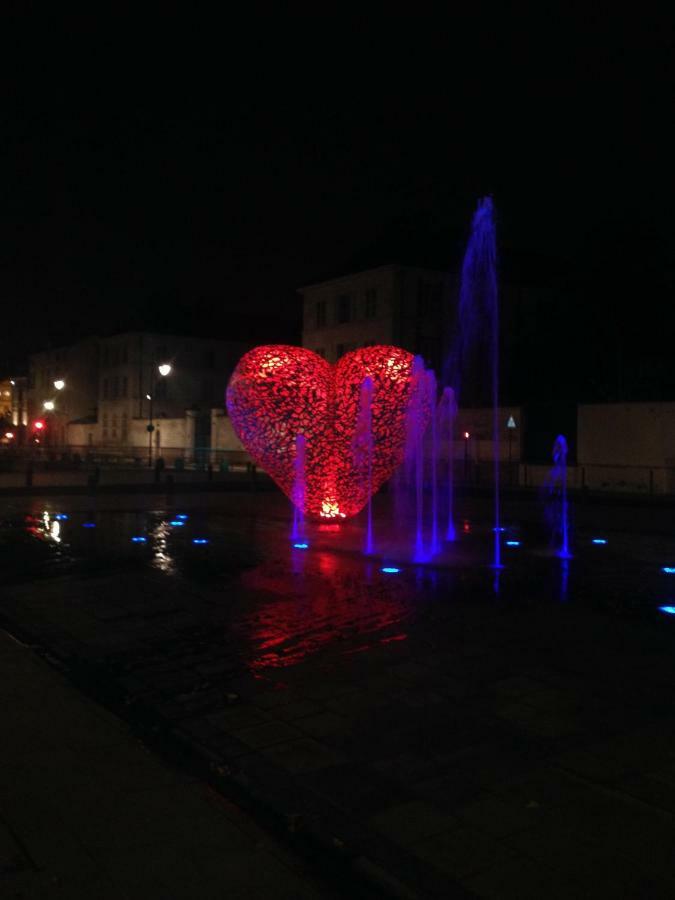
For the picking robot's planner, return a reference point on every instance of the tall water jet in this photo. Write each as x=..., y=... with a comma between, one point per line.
x=299, y=487
x=414, y=451
x=559, y=480
x=447, y=411
x=362, y=450
x=431, y=393
x=479, y=316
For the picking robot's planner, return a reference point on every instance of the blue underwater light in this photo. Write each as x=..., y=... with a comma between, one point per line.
x=670, y=610
x=668, y=570
x=390, y=570
x=301, y=545
x=138, y=540
x=181, y=516
x=176, y=522
x=513, y=543
x=61, y=517
x=200, y=540
x=89, y=524
x=599, y=541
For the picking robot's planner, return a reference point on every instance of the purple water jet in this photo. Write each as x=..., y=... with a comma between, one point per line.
x=362, y=449
x=447, y=411
x=558, y=484
x=299, y=487
x=479, y=315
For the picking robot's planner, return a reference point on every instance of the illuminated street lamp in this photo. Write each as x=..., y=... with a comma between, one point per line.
x=9, y=435
x=59, y=384
x=163, y=369
x=466, y=454
x=49, y=405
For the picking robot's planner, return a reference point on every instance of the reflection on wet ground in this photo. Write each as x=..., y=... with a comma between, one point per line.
x=287, y=600
x=526, y=713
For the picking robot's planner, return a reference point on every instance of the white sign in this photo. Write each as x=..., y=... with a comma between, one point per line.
x=511, y=423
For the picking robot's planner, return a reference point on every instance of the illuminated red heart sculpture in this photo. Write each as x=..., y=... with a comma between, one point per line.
x=277, y=393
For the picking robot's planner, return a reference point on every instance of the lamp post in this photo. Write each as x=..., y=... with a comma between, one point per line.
x=466, y=454
x=162, y=370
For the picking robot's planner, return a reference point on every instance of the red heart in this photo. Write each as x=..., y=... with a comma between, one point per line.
x=277, y=393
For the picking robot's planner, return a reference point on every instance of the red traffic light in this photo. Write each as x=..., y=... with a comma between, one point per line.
x=38, y=425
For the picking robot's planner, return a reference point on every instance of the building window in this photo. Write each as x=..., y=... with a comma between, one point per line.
x=371, y=303
x=344, y=309
x=320, y=313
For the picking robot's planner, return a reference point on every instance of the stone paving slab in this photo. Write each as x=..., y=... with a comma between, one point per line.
x=87, y=812
x=466, y=748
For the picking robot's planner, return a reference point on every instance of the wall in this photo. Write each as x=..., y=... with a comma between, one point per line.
x=361, y=329
x=627, y=433
x=627, y=446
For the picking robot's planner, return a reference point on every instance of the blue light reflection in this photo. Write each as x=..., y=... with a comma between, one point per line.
x=668, y=609
x=599, y=541
x=390, y=570
x=176, y=522
x=200, y=540
x=301, y=545
x=668, y=570
x=138, y=540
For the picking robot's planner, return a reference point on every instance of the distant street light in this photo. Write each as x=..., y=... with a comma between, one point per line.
x=48, y=405
x=59, y=384
x=9, y=435
x=164, y=369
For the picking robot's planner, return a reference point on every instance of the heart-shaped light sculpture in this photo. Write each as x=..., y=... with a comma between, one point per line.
x=279, y=393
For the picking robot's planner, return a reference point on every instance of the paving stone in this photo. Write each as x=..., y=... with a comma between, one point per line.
x=304, y=755
x=267, y=734
x=463, y=851
x=411, y=821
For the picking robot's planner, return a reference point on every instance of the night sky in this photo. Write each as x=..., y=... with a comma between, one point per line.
x=192, y=182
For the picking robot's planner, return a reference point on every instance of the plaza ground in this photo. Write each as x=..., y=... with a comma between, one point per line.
x=422, y=734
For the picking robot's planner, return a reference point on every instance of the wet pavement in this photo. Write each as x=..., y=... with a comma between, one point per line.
x=449, y=728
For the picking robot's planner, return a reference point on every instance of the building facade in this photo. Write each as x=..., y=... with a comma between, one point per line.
x=62, y=387
x=393, y=304
x=133, y=395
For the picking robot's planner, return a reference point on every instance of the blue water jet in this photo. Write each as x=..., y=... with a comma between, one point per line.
x=447, y=411
x=557, y=489
x=478, y=315
x=299, y=487
x=363, y=450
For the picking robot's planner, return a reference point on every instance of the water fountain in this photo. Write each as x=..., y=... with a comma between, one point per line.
x=362, y=451
x=299, y=488
x=556, y=489
x=446, y=412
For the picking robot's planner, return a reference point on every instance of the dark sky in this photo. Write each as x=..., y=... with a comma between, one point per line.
x=194, y=180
